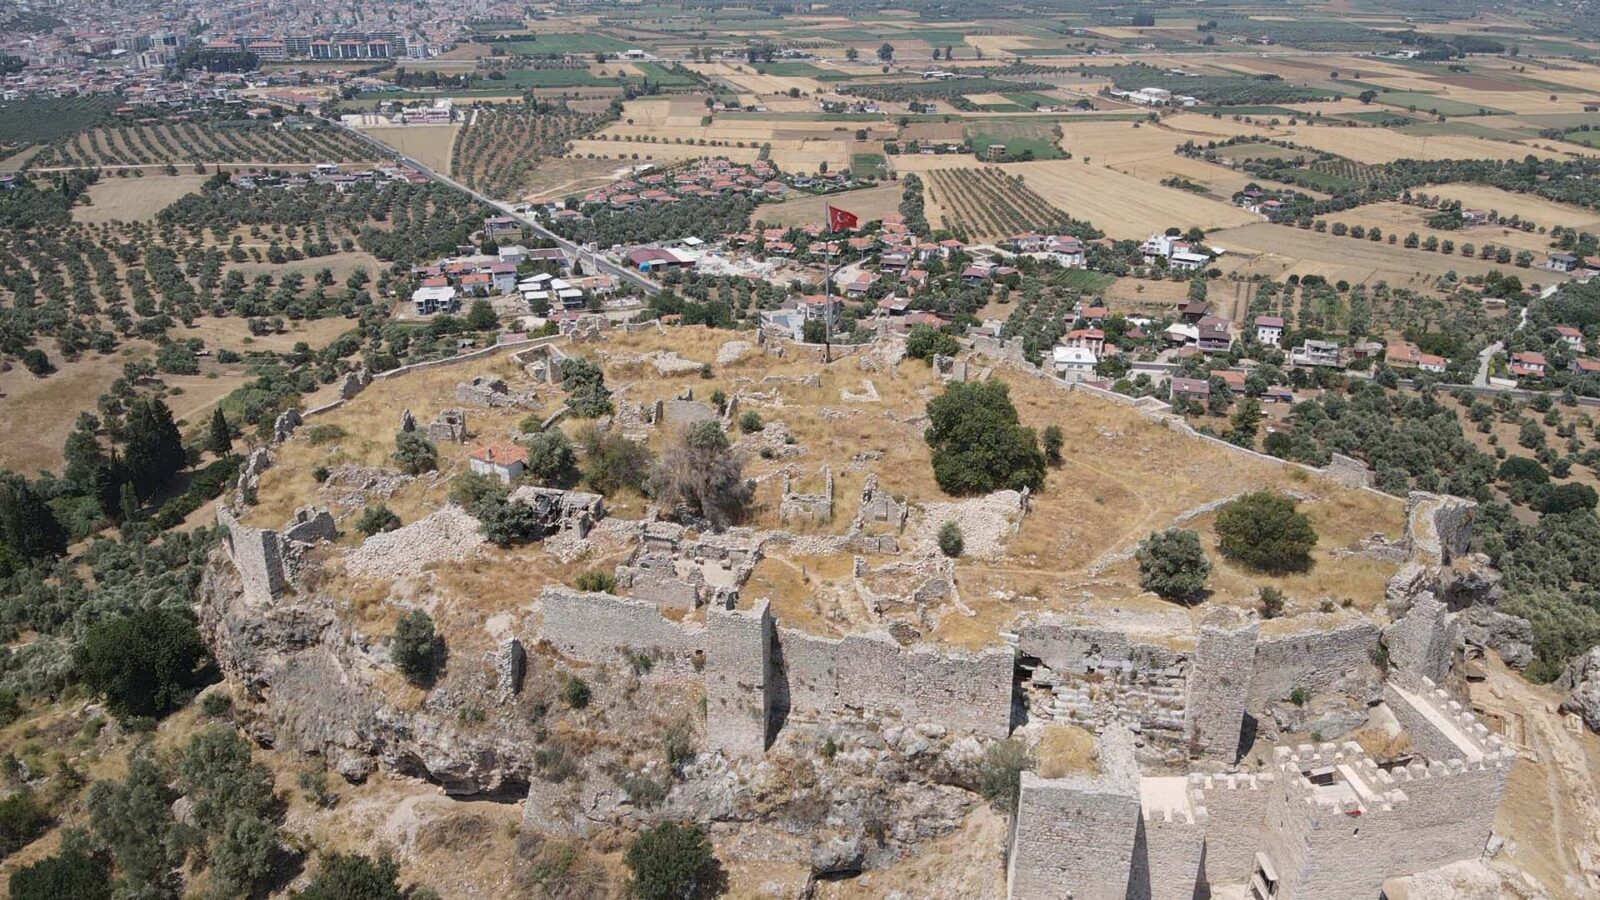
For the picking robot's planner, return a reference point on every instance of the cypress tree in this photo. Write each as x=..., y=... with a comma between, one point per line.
x=154, y=449
x=220, y=441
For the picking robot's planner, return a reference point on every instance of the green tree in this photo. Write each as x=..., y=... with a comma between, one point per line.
x=73, y=873
x=551, y=458
x=153, y=449
x=220, y=438
x=144, y=663
x=354, y=877
x=926, y=342
x=613, y=462
x=28, y=527
x=585, y=383
x=1245, y=423
x=672, y=862
x=813, y=331
x=978, y=443
x=750, y=422
x=22, y=819
x=415, y=646
x=415, y=453
x=481, y=317
x=82, y=454
x=886, y=52
x=133, y=819
x=235, y=805
x=1271, y=601
x=1265, y=531
x=1173, y=565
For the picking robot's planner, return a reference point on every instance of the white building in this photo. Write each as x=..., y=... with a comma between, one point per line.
x=430, y=300
x=1074, y=363
x=1269, y=330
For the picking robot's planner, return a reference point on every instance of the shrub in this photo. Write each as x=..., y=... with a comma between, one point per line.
x=1000, y=774
x=951, y=541
x=750, y=422
x=216, y=705
x=324, y=434
x=1173, y=565
x=1054, y=440
x=414, y=647
x=1271, y=601
x=978, y=444
x=72, y=873
x=672, y=862
x=925, y=342
x=145, y=663
x=596, y=581
x=506, y=523
x=377, y=518
x=477, y=493
x=22, y=819
x=575, y=693
x=1263, y=530
x=551, y=459
x=1299, y=696
x=614, y=462
x=1522, y=469
x=414, y=453
x=1554, y=499
x=354, y=877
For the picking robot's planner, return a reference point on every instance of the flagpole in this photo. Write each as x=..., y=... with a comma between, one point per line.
x=827, y=285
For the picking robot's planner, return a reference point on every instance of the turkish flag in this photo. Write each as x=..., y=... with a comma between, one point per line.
x=842, y=220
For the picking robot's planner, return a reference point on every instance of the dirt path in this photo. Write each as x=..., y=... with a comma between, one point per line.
x=1551, y=813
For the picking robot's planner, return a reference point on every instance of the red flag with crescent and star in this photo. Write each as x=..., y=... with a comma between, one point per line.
x=841, y=220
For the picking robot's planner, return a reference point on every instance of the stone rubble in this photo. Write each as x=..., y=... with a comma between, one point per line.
x=447, y=535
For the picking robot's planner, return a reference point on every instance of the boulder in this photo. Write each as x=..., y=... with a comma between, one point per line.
x=1476, y=585
x=1508, y=635
x=1581, y=683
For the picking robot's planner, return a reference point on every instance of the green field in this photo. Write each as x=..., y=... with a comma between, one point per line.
x=1461, y=129
x=1043, y=146
x=545, y=78
x=1422, y=101
x=1378, y=118
x=1027, y=99
x=545, y=44
x=1259, y=151
x=661, y=75
x=798, y=69
x=867, y=165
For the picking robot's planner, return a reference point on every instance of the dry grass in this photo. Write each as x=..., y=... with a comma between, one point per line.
x=1066, y=750
x=869, y=204
x=1281, y=250
x=428, y=144
x=134, y=199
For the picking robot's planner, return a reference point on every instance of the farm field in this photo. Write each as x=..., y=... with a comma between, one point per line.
x=989, y=204
x=1506, y=203
x=134, y=199
x=1388, y=145
x=1402, y=218
x=428, y=144
x=1278, y=251
x=203, y=142
x=561, y=176
x=868, y=203
x=498, y=146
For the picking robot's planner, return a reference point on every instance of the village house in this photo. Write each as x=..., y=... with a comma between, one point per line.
x=1091, y=339
x=1269, y=329
x=1528, y=364
x=1213, y=335
x=1402, y=355
x=501, y=459
x=1315, y=353
x=1583, y=365
x=1196, y=389
x=1572, y=337
x=1561, y=262
x=1074, y=363
x=1433, y=365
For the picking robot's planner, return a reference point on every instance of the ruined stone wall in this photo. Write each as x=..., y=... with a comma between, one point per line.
x=1312, y=659
x=1220, y=675
x=1075, y=836
x=1235, y=808
x=1348, y=471
x=596, y=627
x=738, y=679
x=1448, y=814
x=1316, y=850
x=258, y=555
x=1423, y=641
x=1095, y=676
x=1438, y=528
x=871, y=672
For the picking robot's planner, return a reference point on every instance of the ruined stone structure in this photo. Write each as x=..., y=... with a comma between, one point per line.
x=1348, y=471
x=676, y=573
x=449, y=427
x=354, y=383
x=739, y=682
x=258, y=555
x=814, y=508
x=572, y=512
x=284, y=426
x=487, y=390
x=1439, y=527
x=808, y=677
x=311, y=525
x=880, y=506
x=1327, y=822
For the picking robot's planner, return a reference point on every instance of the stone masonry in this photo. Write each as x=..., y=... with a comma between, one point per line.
x=738, y=677
x=1074, y=836
x=1219, y=678
x=258, y=555
x=814, y=508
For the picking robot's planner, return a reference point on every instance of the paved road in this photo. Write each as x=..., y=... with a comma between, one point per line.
x=1482, y=378
x=632, y=276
